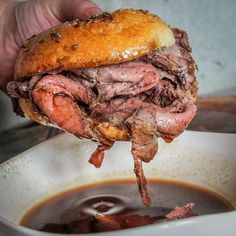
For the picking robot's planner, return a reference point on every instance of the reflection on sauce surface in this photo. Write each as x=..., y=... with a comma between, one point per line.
x=115, y=205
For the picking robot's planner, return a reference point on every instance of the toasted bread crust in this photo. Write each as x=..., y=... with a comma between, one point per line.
x=113, y=38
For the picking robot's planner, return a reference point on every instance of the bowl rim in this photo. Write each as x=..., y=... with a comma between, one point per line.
x=170, y=225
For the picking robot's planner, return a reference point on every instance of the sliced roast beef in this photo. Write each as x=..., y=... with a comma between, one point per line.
x=182, y=212
x=129, y=78
x=176, y=60
x=74, y=89
x=57, y=97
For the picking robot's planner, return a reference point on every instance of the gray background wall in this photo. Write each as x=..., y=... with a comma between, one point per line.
x=212, y=32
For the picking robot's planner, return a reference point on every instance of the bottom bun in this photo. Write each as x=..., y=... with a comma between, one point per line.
x=28, y=109
x=106, y=129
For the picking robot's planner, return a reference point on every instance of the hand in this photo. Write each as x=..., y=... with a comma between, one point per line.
x=20, y=21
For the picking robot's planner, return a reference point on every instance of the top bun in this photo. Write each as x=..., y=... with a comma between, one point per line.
x=123, y=35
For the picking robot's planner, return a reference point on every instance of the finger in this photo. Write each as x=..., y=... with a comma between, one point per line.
x=73, y=9
x=35, y=16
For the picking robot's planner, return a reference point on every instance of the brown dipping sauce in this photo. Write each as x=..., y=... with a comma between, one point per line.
x=115, y=205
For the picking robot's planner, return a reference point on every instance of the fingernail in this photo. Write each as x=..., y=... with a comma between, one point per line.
x=94, y=11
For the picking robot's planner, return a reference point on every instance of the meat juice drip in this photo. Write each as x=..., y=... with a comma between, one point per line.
x=116, y=205
x=168, y=139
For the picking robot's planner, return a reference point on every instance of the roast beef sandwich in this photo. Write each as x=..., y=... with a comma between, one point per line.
x=114, y=77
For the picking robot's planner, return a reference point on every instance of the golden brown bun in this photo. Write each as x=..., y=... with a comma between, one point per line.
x=121, y=36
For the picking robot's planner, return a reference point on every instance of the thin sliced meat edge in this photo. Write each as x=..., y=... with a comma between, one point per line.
x=130, y=78
x=142, y=181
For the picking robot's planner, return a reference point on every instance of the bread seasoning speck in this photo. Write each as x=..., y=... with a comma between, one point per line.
x=65, y=47
x=56, y=36
x=41, y=41
x=100, y=17
x=77, y=23
x=75, y=46
x=103, y=16
x=26, y=49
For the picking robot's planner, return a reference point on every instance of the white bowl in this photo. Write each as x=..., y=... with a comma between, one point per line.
x=61, y=163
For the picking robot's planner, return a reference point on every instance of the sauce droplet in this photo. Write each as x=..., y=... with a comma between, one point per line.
x=168, y=139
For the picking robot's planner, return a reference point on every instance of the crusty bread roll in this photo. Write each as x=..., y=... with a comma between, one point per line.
x=118, y=37
x=121, y=36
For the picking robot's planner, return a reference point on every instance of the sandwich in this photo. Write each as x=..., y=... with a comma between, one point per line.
x=121, y=76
